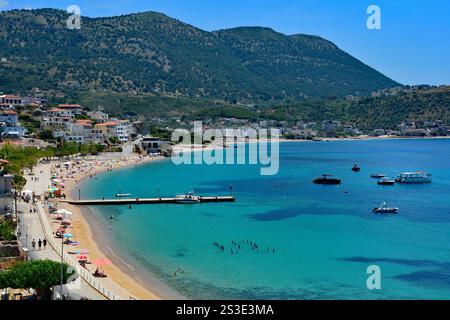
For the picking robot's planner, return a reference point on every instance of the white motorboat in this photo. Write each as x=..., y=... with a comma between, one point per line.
x=189, y=198
x=384, y=209
x=122, y=195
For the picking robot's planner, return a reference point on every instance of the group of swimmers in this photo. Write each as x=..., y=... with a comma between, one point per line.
x=237, y=246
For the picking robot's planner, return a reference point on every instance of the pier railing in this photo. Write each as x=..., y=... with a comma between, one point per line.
x=83, y=273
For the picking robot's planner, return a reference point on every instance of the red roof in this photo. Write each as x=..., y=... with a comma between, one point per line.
x=85, y=122
x=56, y=110
x=69, y=106
x=9, y=112
x=10, y=96
x=107, y=124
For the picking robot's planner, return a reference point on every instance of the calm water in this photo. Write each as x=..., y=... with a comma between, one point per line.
x=324, y=238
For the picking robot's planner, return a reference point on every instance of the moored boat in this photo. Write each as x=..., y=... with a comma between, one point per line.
x=414, y=177
x=123, y=195
x=189, y=198
x=327, y=179
x=377, y=175
x=384, y=209
x=356, y=168
x=386, y=182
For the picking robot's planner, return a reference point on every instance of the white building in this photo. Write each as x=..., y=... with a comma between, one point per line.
x=12, y=131
x=151, y=145
x=8, y=100
x=57, y=119
x=124, y=130
x=98, y=116
x=58, y=112
x=330, y=126
x=82, y=131
x=75, y=109
x=9, y=117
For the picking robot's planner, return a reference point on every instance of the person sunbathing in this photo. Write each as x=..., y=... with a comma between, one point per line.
x=99, y=274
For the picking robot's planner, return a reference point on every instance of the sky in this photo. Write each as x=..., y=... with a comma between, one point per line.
x=412, y=46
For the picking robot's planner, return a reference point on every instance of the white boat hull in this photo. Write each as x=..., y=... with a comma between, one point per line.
x=187, y=201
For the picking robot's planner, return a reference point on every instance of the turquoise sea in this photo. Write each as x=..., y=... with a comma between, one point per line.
x=324, y=237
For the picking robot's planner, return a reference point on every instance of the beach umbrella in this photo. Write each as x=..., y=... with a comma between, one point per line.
x=101, y=262
x=82, y=258
x=84, y=251
x=68, y=235
x=64, y=213
x=66, y=222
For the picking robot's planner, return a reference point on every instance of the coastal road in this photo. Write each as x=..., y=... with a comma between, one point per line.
x=30, y=228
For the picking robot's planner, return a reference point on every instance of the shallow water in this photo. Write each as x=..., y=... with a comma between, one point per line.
x=324, y=238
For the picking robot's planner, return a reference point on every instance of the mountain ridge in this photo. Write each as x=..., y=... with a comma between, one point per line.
x=152, y=53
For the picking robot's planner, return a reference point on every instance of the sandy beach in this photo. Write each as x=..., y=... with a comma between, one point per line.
x=118, y=280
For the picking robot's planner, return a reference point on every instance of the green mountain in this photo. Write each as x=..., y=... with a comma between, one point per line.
x=150, y=53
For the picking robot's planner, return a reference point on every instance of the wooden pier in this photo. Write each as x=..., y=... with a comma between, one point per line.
x=137, y=201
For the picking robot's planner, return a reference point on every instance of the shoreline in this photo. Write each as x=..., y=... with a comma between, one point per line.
x=140, y=275
x=118, y=280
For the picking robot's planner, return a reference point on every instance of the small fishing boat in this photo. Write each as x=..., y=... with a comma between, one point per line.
x=122, y=195
x=189, y=198
x=356, y=168
x=384, y=209
x=377, y=175
x=327, y=179
x=386, y=182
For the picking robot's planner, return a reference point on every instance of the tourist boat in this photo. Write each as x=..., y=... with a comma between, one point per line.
x=189, y=198
x=122, y=195
x=414, y=177
x=327, y=179
x=377, y=175
x=356, y=168
x=385, y=209
x=386, y=182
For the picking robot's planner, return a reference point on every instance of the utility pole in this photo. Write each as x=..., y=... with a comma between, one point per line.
x=15, y=205
x=62, y=267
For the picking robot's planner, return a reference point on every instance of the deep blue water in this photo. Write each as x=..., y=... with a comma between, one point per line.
x=324, y=237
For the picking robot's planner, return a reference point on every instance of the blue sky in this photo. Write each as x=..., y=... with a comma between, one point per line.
x=413, y=46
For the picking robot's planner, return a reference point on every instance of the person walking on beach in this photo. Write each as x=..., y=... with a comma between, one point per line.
x=40, y=244
x=44, y=242
x=33, y=244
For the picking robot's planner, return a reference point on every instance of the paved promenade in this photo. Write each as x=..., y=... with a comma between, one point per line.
x=30, y=227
